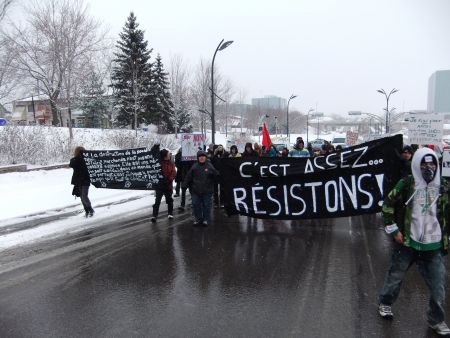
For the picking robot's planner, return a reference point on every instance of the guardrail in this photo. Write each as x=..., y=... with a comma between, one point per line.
x=24, y=167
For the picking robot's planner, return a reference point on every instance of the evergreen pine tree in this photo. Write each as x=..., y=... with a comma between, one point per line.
x=164, y=104
x=183, y=118
x=93, y=101
x=132, y=77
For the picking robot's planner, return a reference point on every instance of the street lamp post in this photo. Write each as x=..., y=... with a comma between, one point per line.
x=381, y=91
x=222, y=45
x=307, y=124
x=276, y=126
x=287, y=117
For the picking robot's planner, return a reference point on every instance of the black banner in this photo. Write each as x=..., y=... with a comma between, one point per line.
x=351, y=182
x=124, y=169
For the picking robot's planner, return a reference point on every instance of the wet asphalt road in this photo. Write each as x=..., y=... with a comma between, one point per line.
x=237, y=278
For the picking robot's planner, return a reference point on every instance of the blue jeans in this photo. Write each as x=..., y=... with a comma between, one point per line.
x=432, y=269
x=202, y=206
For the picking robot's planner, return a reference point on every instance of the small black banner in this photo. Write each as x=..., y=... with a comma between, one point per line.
x=123, y=169
x=347, y=183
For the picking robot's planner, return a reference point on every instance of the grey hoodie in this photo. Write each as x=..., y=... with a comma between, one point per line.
x=425, y=227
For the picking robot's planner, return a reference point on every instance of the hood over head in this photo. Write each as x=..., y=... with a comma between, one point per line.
x=425, y=154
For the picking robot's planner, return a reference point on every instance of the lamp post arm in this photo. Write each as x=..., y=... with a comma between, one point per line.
x=287, y=119
x=213, y=126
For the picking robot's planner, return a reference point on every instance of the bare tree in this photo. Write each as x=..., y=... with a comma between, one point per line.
x=179, y=86
x=58, y=37
x=8, y=74
x=4, y=4
x=201, y=91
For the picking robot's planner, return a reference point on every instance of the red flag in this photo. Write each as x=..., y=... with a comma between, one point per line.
x=266, y=141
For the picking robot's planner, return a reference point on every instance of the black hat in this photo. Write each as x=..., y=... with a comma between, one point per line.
x=407, y=149
x=201, y=153
x=428, y=158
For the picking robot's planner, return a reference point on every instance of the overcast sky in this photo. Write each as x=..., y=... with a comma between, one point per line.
x=333, y=53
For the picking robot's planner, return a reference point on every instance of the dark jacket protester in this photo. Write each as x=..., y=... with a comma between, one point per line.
x=420, y=234
x=81, y=180
x=249, y=152
x=178, y=165
x=405, y=158
x=201, y=177
x=169, y=172
x=200, y=180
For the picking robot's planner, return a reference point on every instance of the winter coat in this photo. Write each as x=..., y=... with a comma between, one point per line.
x=80, y=176
x=419, y=210
x=169, y=172
x=273, y=152
x=296, y=152
x=252, y=154
x=405, y=168
x=200, y=178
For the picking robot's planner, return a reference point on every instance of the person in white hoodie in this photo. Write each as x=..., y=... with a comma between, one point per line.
x=416, y=213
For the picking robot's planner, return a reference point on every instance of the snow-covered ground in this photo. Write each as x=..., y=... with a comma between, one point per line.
x=27, y=196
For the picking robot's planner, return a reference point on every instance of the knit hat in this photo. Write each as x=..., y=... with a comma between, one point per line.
x=201, y=153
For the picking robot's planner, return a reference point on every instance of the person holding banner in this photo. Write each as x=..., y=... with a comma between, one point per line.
x=200, y=180
x=234, y=153
x=420, y=234
x=299, y=149
x=169, y=172
x=81, y=180
x=248, y=151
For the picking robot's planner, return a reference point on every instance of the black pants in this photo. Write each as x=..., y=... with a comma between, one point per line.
x=183, y=197
x=169, y=200
x=218, y=194
x=84, y=191
x=177, y=188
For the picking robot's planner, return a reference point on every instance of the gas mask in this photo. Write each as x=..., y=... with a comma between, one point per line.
x=428, y=174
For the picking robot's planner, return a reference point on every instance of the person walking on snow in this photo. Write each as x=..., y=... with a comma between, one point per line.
x=169, y=172
x=81, y=180
x=420, y=233
x=200, y=180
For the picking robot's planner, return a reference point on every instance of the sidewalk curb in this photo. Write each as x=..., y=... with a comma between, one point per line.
x=22, y=223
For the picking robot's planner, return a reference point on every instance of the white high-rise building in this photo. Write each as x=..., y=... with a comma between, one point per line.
x=439, y=92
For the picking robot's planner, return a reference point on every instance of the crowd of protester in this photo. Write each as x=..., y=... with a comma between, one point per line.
x=407, y=214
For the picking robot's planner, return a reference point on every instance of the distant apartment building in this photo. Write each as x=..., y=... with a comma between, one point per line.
x=37, y=110
x=270, y=102
x=439, y=92
x=32, y=110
